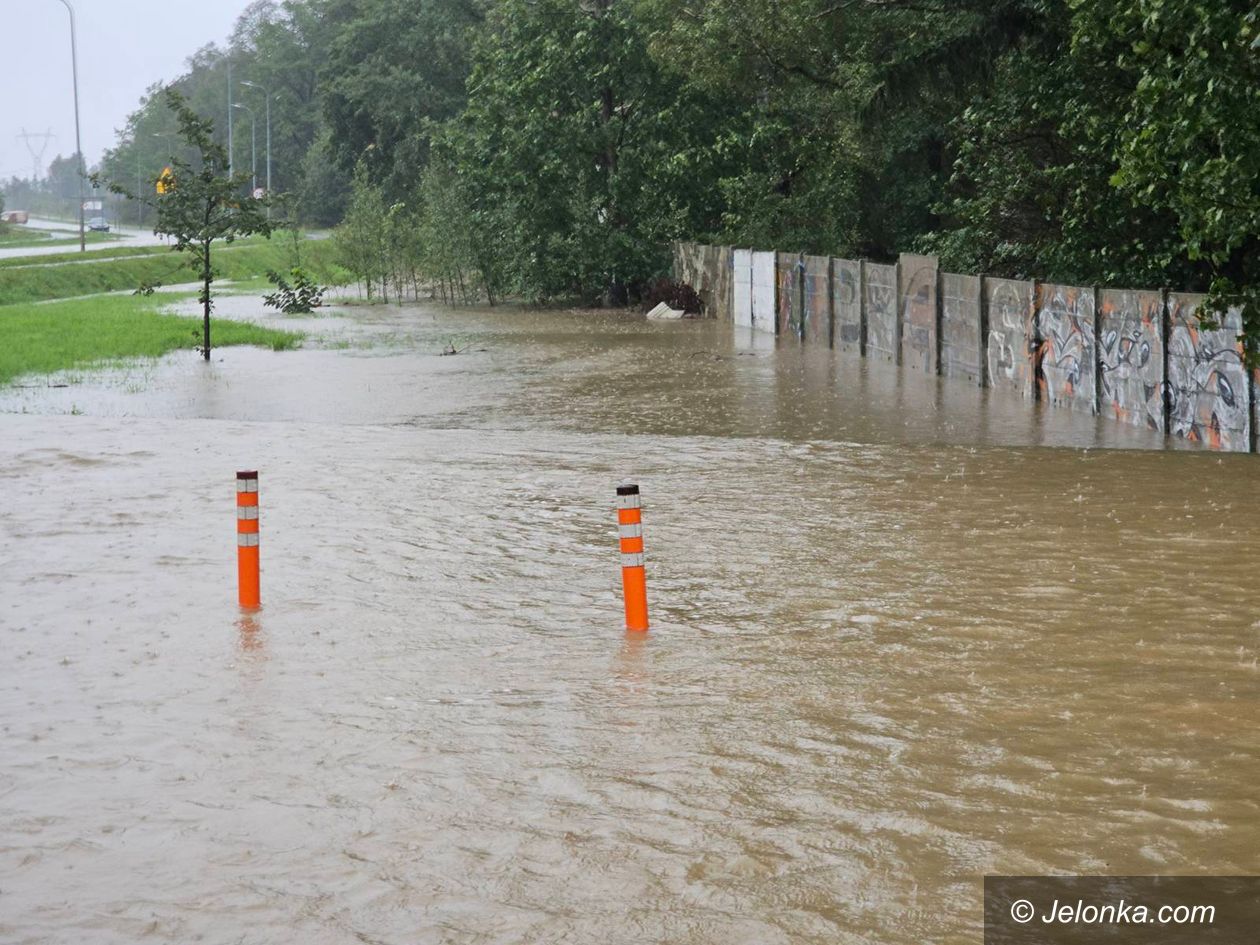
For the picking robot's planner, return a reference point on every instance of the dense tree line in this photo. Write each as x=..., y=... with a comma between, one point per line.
x=552, y=148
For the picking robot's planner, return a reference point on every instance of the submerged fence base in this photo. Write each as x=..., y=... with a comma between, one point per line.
x=1141, y=357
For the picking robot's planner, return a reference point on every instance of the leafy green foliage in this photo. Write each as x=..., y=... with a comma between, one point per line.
x=582, y=155
x=392, y=74
x=300, y=297
x=1192, y=142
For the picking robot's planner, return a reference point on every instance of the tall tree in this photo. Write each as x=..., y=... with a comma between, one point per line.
x=393, y=71
x=582, y=150
x=1190, y=140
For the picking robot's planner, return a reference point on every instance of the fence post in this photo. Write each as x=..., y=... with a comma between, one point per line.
x=800, y=297
x=940, y=316
x=774, y=294
x=862, y=307
x=1034, y=340
x=831, y=302
x=897, y=316
x=1252, y=375
x=1165, y=328
x=728, y=260
x=983, y=308
x=1097, y=405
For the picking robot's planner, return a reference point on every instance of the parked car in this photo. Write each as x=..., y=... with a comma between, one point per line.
x=98, y=225
x=14, y=216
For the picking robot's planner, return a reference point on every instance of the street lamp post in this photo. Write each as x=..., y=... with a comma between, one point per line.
x=253, y=145
x=165, y=136
x=78, y=141
x=231, y=153
x=267, y=122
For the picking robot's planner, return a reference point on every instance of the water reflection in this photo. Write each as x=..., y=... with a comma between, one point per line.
x=249, y=638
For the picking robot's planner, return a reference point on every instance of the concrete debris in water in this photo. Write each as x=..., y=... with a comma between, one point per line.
x=664, y=312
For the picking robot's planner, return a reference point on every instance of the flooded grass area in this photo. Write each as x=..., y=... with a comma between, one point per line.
x=905, y=633
x=78, y=333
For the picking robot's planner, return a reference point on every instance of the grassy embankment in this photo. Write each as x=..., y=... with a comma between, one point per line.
x=36, y=279
x=42, y=338
x=23, y=237
x=91, y=255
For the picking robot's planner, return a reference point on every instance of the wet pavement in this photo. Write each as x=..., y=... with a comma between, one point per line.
x=905, y=633
x=61, y=230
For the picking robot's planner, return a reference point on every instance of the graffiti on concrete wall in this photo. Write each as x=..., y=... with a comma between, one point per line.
x=962, y=353
x=1066, y=349
x=1009, y=345
x=763, y=288
x=881, y=312
x=846, y=283
x=741, y=288
x=1131, y=357
x=1147, y=364
x=1208, y=390
x=917, y=301
x=817, y=302
x=789, y=282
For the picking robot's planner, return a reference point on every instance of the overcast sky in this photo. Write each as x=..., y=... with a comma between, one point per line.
x=124, y=47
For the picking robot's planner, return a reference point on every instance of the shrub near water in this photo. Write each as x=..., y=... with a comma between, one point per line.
x=46, y=338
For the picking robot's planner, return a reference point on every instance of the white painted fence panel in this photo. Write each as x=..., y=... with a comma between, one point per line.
x=742, y=288
x=763, y=291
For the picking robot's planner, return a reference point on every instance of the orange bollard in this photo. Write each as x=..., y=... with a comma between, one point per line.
x=247, y=581
x=633, y=576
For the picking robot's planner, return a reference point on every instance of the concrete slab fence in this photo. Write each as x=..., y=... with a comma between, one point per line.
x=1143, y=357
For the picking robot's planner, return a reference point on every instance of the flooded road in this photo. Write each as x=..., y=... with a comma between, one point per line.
x=898, y=643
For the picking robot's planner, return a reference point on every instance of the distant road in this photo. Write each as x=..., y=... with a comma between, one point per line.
x=132, y=237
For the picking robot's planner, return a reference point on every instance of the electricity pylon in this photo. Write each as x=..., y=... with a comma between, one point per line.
x=37, y=154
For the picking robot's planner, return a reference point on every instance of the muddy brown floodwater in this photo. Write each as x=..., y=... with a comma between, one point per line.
x=905, y=633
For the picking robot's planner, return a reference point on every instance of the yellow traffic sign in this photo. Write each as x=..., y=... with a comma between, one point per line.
x=166, y=180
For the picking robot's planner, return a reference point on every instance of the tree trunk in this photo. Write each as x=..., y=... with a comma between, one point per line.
x=205, y=303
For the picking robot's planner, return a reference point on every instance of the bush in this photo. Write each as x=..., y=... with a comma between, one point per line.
x=676, y=295
x=303, y=296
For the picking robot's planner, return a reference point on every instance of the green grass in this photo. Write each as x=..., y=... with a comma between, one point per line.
x=16, y=233
x=41, y=339
x=34, y=282
x=19, y=237
x=22, y=237
x=95, y=255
